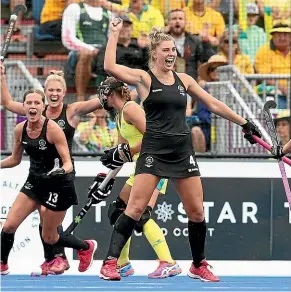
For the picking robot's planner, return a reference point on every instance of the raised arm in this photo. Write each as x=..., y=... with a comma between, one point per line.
x=84, y=107
x=123, y=73
x=56, y=136
x=6, y=99
x=15, y=158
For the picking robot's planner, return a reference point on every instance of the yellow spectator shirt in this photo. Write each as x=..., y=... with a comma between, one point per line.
x=268, y=60
x=149, y=17
x=53, y=10
x=280, y=10
x=211, y=20
x=163, y=5
x=99, y=138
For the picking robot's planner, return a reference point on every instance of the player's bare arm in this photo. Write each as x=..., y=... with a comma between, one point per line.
x=15, y=158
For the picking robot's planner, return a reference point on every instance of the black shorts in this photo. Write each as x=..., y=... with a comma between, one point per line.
x=167, y=156
x=57, y=194
x=167, y=168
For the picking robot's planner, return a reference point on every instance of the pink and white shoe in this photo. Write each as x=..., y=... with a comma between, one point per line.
x=4, y=269
x=58, y=265
x=109, y=271
x=165, y=270
x=86, y=256
x=202, y=273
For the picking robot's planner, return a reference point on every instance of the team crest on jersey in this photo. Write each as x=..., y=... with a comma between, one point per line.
x=42, y=144
x=181, y=89
x=149, y=161
x=62, y=124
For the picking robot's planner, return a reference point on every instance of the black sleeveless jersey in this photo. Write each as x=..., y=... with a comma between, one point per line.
x=62, y=121
x=165, y=108
x=41, y=153
x=167, y=133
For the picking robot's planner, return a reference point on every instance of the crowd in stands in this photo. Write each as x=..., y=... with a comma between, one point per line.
x=261, y=44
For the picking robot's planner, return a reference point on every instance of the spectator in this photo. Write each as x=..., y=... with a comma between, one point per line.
x=98, y=133
x=241, y=61
x=223, y=6
x=143, y=17
x=204, y=21
x=51, y=17
x=190, y=49
x=274, y=56
x=84, y=32
x=255, y=36
x=280, y=9
x=283, y=126
x=130, y=52
x=201, y=132
x=163, y=5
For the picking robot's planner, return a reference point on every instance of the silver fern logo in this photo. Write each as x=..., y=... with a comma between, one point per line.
x=164, y=212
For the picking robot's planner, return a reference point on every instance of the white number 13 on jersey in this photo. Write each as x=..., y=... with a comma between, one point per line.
x=53, y=197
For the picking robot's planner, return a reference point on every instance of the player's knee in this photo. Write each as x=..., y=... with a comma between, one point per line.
x=196, y=215
x=116, y=208
x=85, y=56
x=9, y=227
x=145, y=217
x=49, y=237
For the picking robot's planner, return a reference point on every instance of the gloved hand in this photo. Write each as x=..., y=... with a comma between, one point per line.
x=277, y=152
x=250, y=129
x=94, y=190
x=117, y=156
x=55, y=173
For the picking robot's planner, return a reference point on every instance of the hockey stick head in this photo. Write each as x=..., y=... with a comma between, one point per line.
x=270, y=104
x=19, y=8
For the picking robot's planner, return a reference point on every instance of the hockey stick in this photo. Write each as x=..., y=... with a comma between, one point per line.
x=92, y=200
x=268, y=147
x=11, y=25
x=273, y=133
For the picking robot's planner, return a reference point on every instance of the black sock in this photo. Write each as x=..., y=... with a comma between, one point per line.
x=70, y=240
x=121, y=233
x=7, y=240
x=48, y=249
x=197, y=235
x=60, y=250
x=52, y=251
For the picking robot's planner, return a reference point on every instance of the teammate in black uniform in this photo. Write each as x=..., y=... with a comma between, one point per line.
x=50, y=182
x=166, y=149
x=68, y=118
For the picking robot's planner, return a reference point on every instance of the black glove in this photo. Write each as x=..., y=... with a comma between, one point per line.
x=117, y=156
x=94, y=190
x=55, y=173
x=277, y=152
x=250, y=129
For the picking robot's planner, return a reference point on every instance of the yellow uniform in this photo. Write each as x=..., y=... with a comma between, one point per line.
x=134, y=136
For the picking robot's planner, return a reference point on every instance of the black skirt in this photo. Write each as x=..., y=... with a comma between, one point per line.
x=57, y=194
x=167, y=156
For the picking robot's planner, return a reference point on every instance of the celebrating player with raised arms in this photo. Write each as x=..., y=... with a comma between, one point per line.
x=166, y=149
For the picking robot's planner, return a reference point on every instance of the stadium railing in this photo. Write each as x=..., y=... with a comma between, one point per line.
x=19, y=80
x=227, y=138
x=265, y=90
